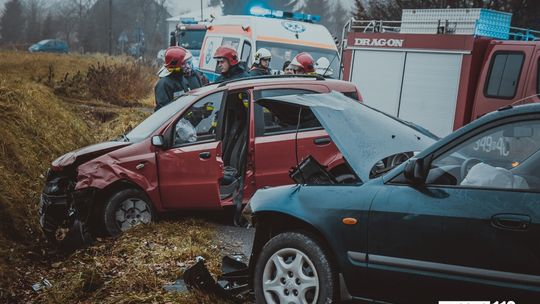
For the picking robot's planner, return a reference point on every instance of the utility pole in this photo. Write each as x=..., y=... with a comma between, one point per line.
x=110, y=27
x=202, y=16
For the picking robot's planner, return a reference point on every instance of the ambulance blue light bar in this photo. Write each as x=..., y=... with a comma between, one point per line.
x=188, y=20
x=265, y=12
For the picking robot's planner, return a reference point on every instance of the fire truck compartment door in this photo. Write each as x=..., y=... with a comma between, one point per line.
x=420, y=87
x=430, y=89
x=378, y=75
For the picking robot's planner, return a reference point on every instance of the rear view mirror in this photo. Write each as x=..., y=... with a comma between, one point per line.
x=158, y=141
x=416, y=171
x=518, y=132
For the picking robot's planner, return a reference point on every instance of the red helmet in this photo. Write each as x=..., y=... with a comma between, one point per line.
x=228, y=53
x=303, y=61
x=176, y=56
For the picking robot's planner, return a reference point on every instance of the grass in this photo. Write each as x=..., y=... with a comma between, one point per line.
x=49, y=105
x=134, y=267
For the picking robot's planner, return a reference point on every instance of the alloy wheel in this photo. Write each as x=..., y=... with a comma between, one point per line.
x=132, y=212
x=290, y=277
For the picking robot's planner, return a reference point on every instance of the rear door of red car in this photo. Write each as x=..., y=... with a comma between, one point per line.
x=275, y=141
x=189, y=171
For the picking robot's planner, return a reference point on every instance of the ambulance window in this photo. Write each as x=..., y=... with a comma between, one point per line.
x=246, y=53
x=503, y=77
x=231, y=42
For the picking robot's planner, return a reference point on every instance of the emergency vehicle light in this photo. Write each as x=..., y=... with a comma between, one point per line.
x=189, y=20
x=265, y=12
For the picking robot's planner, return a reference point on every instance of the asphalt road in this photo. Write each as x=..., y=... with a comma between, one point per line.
x=235, y=240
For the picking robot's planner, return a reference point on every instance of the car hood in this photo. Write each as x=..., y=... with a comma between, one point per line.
x=87, y=153
x=362, y=134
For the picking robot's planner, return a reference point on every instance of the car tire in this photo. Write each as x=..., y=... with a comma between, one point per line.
x=277, y=280
x=126, y=209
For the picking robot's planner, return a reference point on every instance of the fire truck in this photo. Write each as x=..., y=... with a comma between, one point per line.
x=187, y=33
x=442, y=68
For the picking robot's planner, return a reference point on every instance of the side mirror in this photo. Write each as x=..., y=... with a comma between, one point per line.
x=416, y=171
x=158, y=141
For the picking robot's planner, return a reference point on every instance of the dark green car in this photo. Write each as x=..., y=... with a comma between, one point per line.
x=458, y=221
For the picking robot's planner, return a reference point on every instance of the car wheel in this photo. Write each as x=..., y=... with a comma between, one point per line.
x=293, y=268
x=126, y=209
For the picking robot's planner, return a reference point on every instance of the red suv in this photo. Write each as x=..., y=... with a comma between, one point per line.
x=210, y=148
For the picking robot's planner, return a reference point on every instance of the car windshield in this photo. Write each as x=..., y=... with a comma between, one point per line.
x=191, y=40
x=156, y=120
x=285, y=52
x=43, y=42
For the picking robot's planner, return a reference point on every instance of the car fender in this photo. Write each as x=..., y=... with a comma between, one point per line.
x=286, y=209
x=106, y=170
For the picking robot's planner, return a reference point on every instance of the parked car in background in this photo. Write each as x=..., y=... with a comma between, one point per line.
x=459, y=221
x=50, y=46
x=210, y=148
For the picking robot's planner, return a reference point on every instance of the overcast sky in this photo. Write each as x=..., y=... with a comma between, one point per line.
x=177, y=7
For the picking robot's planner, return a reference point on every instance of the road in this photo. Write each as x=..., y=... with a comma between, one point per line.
x=235, y=240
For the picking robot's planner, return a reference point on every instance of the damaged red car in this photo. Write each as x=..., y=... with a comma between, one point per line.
x=210, y=148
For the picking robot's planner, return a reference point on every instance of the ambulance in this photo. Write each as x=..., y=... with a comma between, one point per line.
x=284, y=34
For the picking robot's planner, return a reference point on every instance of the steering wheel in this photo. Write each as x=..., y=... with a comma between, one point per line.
x=467, y=165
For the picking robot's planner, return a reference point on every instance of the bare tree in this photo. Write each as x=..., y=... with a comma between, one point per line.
x=525, y=12
x=33, y=12
x=12, y=22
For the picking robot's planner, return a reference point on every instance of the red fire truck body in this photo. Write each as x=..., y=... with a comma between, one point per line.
x=440, y=81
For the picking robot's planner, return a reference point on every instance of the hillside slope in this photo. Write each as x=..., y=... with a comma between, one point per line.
x=49, y=105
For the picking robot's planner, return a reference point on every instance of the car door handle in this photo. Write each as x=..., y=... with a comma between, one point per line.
x=322, y=141
x=205, y=155
x=511, y=221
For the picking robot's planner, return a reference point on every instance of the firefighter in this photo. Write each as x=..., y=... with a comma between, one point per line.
x=172, y=82
x=261, y=63
x=227, y=60
x=302, y=63
x=194, y=78
x=285, y=70
x=322, y=67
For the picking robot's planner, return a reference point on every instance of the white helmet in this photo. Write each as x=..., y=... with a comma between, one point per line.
x=262, y=53
x=322, y=67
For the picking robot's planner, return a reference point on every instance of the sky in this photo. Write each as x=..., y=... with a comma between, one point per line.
x=176, y=7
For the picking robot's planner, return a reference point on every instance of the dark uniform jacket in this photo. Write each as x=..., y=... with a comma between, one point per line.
x=259, y=71
x=168, y=88
x=196, y=80
x=236, y=71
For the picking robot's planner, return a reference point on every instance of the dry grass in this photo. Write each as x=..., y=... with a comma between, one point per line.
x=132, y=268
x=39, y=123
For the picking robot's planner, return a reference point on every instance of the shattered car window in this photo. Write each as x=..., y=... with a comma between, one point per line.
x=156, y=120
x=199, y=123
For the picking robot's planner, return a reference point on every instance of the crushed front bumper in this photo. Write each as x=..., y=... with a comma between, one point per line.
x=63, y=218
